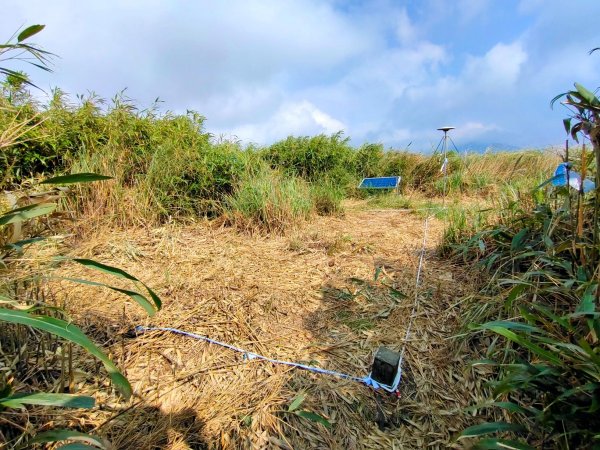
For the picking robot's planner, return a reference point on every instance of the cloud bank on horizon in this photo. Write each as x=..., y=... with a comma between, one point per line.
x=381, y=70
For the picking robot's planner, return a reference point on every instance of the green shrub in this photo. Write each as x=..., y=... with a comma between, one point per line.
x=264, y=200
x=327, y=198
x=395, y=163
x=313, y=158
x=368, y=160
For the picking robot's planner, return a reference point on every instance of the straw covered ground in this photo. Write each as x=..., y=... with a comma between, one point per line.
x=327, y=294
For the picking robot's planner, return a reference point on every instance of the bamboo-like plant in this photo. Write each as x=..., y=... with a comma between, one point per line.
x=16, y=49
x=14, y=242
x=542, y=308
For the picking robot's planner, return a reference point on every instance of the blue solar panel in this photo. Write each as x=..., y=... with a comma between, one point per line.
x=380, y=183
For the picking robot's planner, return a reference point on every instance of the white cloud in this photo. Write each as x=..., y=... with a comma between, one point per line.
x=473, y=130
x=292, y=118
x=499, y=67
x=405, y=30
x=178, y=49
x=382, y=70
x=469, y=10
x=240, y=103
x=483, y=79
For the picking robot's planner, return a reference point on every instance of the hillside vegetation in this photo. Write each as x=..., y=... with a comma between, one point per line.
x=167, y=166
x=516, y=277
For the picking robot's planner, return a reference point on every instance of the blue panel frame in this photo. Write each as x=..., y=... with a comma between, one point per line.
x=379, y=183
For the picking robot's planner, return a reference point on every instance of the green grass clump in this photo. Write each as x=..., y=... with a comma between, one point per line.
x=388, y=200
x=313, y=158
x=327, y=198
x=264, y=200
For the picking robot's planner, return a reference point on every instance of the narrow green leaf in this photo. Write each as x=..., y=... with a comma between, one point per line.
x=502, y=330
x=48, y=399
x=509, y=325
x=587, y=303
x=589, y=387
x=555, y=99
x=136, y=296
x=501, y=444
x=314, y=417
x=69, y=435
x=567, y=125
x=588, y=96
x=488, y=428
x=119, y=273
x=510, y=406
x=72, y=333
x=377, y=273
x=514, y=293
x=593, y=355
x=153, y=295
x=27, y=212
x=529, y=316
x=18, y=246
x=517, y=241
x=29, y=31
x=564, y=322
x=76, y=178
x=396, y=293
x=296, y=403
x=576, y=129
x=77, y=446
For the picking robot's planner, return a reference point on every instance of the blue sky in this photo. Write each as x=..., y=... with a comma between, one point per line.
x=382, y=71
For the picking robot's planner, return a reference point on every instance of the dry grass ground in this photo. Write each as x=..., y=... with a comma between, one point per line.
x=310, y=296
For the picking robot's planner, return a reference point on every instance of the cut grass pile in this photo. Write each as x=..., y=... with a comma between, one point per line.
x=308, y=297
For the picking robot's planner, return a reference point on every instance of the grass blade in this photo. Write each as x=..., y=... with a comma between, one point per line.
x=48, y=399
x=296, y=403
x=314, y=417
x=71, y=333
x=119, y=273
x=78, y=446
x=70, y=435
x=501, y=444
x=489, y=428
x=27, y=212
x=76, y=178
x=504, y=331
x=136, y=296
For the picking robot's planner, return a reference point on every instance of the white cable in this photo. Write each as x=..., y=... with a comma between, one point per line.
x=416, y=302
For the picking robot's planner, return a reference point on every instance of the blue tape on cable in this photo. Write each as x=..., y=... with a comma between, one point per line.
x=368, y=381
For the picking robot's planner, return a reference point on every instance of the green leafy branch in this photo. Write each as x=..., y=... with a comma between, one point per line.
x=19, y=50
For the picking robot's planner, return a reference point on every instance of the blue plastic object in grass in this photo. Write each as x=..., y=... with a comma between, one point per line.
x=380, y=183
x=560, y=179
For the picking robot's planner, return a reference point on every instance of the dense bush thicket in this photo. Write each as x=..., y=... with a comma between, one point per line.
x=167, y=165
